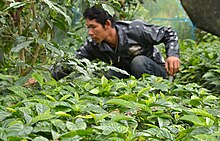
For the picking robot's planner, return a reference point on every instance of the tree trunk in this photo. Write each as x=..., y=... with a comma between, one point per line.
x=205, y=14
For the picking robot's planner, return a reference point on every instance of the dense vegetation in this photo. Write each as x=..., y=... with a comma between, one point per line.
x=85, y=105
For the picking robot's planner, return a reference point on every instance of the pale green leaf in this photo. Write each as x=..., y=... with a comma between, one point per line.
x=55, y=135
x=109, y=9
x=26, y=131
x=208, y=74
x=62, y=114
x=161, y=133
x=216, y=82
x=40, y=139
x=4, y=115
x=110, y=127
x=120, y=102
x=21, y=46
x=194, y=119
x=27, y=118
x=42, y=117
x=20, y=91
x=71, y=126
x=104, y=81
x=65, y=97
x=14, y=128
x=38, y=77
x=3, y=135
x=204, y=137
x=43, y=126
x=94, y=91
x=58, y=124
x=202, y=113
x=80, y=124
x=15, y=5
x=58, y=10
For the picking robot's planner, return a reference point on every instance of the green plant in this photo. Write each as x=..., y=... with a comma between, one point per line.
x=201, y=64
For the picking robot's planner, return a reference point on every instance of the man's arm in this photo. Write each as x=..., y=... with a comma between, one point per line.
x=159, y=34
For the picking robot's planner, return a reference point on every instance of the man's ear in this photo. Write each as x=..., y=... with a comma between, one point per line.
x=108, y=24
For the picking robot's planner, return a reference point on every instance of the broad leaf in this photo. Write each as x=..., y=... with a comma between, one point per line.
x=21, y=46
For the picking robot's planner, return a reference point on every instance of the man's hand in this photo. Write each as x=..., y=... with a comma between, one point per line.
x=30, y=82
x=172, y=65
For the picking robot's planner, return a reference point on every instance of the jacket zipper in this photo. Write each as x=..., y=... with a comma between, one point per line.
x=119, y=58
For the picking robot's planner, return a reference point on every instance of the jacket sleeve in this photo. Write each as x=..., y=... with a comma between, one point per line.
x=85, y=51
x=159, y=34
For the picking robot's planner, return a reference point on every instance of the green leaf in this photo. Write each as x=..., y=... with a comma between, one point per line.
x=50, y=97
x=121, y=85
x=41, y=117
x=104, y=81
x=109, y=127
x=14, y=128
x=58, y=10
x=15, y=5
x=65, y=97
x=43, y=126
x=27, y=130
x=71, y=126
x=27, y=118
x=40, y=139
x=160, y=133
x=202, y=113
x=41, y=108
x=120, y=102
x=71, y=134
x=94, y=91
x=109, y=9
x=216, y=82
x=55, y=135
x=143, y=90
x=94, y=108
x=21, y=46
x=62, y=114
x=59, y=124
x=4, y=115
x=194, y=119
x=120, y=117
x=38, y=77
x=22, y=80
x=3, y=135
x=20, y=91
x=80, y=124
x=208, y=74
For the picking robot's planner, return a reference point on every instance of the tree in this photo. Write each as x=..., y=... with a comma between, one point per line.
x=33, y=32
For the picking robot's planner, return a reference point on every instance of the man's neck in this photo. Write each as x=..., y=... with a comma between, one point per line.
x=112, y=39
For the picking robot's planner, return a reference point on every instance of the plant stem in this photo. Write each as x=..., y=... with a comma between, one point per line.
x=22, y=51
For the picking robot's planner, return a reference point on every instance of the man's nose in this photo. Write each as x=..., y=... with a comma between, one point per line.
x=90, y=32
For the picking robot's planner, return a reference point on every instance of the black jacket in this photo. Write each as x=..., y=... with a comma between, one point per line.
x=135, y=38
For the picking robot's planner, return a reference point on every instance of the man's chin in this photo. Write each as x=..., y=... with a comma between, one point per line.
x=97, y=41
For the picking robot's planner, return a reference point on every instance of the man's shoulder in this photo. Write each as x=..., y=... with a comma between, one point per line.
x=133, y=23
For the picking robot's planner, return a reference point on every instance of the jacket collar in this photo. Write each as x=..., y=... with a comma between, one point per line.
x=122, y=41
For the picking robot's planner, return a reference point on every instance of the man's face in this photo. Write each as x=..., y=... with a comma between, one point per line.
x=96, y=30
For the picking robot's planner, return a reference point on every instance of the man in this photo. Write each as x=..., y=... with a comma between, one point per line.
x=128, y=45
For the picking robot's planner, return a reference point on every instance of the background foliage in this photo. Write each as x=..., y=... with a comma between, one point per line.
x=85, y=105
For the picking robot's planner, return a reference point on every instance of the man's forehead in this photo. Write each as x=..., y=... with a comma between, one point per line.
x=91, y=22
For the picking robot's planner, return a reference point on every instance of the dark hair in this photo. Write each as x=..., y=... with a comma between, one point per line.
x=98, y=13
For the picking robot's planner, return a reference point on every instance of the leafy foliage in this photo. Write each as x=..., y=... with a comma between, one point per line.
x=85, y=105
x=115, y=109
x=201, y=63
